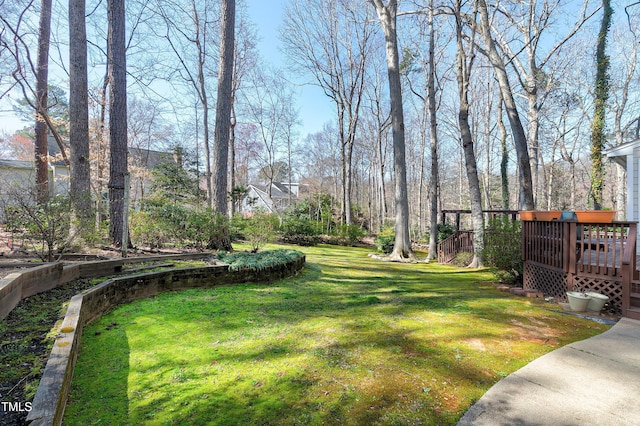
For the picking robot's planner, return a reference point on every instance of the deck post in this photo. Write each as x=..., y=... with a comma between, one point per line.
x=628, y=268
x=571, y=241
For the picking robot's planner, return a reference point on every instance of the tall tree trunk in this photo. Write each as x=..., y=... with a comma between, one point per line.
x=387, y=15
x=504, y=159
x=463, y=73
x=519, y=137
x=433, y=139
x=102, y=150
x=117, y=64
x=232, y=159
x=201, y=88
x=80, y=176
x=601, y=95
x=223, y=105
x=41, y=128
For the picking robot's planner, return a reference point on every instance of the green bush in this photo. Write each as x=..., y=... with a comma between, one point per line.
x=503, y=249
x=260, y=229
x=146, y=230
x=386, y=240
x=463, y=259
x=299, y=230
x=385, y=243
x=445, y=231
x=201, y=226
x=347, y=235
x=257, y=261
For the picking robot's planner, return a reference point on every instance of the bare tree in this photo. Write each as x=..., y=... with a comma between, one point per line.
x=15, y=45
x=245, y=59
x=464, y=64
x=224, y=106
x=117, y=65
x=42, y=81
x=80, y=191
x=624, y=83
x=331, y=41
x=269, y=104
x=387, y=15
x=519, y=137
x=188, y=36
x=530, y=52
x=376, y=121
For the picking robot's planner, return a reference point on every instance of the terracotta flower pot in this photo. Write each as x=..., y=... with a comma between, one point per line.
x=548, y=215
x=527, y=214
x=595, y=216
x=542, y=215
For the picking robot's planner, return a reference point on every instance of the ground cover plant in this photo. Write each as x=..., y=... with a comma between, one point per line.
x=26, y=337
x=239, y=261
x=350, y=340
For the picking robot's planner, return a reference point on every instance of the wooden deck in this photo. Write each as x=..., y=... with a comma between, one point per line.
x=561, y=256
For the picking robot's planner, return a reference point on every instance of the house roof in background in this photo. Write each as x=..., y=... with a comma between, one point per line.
x=25, y=165
x=16, y=164
x=268, y=202
x=150, y=158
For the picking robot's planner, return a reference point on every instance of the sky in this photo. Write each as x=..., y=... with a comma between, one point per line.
x=315, y=107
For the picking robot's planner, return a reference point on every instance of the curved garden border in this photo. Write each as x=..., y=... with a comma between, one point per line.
x=50, y=400
x=37, y=279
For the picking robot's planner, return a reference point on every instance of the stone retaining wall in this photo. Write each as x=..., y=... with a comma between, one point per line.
x=17, y=286
x=51, y=397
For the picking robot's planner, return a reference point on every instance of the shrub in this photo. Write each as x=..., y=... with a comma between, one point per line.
x=386, y=240
x=463, y=259
x=46, y=224
x=200, y=225
x=385, y=243
x=145, y=230
x=257, y=261
x=445, y=231
x=503, y=249
x=260, y=229
x=299, y=230
x=347, y=235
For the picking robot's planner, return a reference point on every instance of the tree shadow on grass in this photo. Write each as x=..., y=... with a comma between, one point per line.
x=99, y=390
x=325, y=347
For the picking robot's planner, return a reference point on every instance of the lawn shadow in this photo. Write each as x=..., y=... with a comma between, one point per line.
x=339, y=343
x=101, y=376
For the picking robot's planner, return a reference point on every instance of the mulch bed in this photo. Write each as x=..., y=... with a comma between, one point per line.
x=25, y=344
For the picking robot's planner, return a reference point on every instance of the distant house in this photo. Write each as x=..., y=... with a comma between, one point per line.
x=282, y=196
x=141, y=161
x=21, y=176
x=628, y=156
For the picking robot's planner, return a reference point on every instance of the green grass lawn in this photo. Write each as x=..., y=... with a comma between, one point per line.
x=349, y=341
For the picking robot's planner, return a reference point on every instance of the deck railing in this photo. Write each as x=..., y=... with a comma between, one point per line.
x=458, y=242
x=562, y=256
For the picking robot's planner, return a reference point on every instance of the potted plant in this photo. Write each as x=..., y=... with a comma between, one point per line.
x=578, y=301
